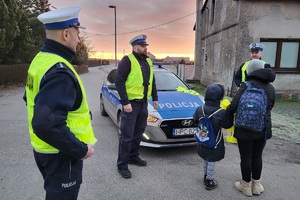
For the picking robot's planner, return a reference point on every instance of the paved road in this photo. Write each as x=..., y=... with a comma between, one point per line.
x=170, y=174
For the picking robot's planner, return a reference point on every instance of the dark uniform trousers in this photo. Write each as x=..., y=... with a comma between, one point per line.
x=62, y=175
x=133, y=125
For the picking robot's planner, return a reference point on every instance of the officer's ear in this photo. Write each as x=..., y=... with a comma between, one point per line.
x=134, y=47
x=65, y=34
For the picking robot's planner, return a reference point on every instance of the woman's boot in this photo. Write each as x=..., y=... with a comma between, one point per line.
x=244, y=187
x=257, y=188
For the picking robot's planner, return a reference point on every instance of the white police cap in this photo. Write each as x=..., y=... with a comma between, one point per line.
x=139, y=39
x=61, y=18
x=256, y=46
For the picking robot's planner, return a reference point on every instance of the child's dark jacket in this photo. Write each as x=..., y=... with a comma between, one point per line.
x=221, y=119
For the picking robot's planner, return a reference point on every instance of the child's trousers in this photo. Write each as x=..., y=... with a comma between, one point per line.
x=209, y=168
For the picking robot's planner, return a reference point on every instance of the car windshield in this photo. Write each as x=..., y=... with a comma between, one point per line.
x=167, y=81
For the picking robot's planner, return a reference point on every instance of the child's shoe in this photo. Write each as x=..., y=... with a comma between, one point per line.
x=205, y=180
x=211, y=184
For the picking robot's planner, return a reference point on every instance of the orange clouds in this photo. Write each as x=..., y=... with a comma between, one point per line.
x=168, y=25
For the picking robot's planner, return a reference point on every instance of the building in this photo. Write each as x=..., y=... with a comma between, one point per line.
x=225, y=28
x=176, y=60
x=151, y=56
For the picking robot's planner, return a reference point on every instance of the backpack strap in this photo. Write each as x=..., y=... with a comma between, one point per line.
x=252, y=85
x=203, y=111
x=248, y=84
x=214, y=113
x=219, y=134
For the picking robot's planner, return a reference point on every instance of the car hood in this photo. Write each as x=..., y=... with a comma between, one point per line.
x=173, y=104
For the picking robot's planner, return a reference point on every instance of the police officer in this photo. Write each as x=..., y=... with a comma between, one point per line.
x=256, y=53
x=135, y=84
x=58, y=114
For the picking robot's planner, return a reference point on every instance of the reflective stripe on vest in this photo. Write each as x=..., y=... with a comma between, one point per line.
x=134, y=83
x=244, y=70
x=78, y=121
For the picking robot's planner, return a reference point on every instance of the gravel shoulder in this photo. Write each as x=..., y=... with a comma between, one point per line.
x=286, y=121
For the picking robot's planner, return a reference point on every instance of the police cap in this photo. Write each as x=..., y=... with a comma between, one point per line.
x=256, y=46
x=61, y=18
x=139, y=39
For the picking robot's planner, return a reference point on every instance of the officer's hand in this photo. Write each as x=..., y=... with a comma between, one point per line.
x=155, y=105
x=89, y=152
x=127, y=108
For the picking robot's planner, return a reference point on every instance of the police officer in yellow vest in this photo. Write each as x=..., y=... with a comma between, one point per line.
x=256, y=53
x=59, y=118
x=135, y=84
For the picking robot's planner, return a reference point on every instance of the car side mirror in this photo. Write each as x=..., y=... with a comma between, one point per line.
x=112, y=87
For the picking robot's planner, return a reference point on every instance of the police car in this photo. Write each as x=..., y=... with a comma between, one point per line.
x=171, y=125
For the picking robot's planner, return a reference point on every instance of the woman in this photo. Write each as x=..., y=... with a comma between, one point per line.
x=251, y=143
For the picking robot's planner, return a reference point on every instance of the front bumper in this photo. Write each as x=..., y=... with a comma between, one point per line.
x=167, y=145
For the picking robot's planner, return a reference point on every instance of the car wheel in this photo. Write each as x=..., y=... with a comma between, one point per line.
x=119, y=123
x=102, y=109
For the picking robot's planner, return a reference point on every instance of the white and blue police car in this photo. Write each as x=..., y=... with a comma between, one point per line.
x=171, y=125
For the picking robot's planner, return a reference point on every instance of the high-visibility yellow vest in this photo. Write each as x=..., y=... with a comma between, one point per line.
x=182, y=89
x=79, y=121
x=135, y=82
x=244, y=70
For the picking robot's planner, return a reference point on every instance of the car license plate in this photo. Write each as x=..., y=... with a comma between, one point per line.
x=184, y=131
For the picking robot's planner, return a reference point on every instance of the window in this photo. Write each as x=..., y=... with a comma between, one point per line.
x=282, y=54
x=212, y=17
x=167, y=81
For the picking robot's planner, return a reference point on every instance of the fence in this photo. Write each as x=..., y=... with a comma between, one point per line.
x=16, y=74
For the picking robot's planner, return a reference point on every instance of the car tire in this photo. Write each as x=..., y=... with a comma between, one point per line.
x=102, y=109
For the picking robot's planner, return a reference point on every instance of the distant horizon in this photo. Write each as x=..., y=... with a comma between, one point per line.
x=167, y=24
x=111, y=56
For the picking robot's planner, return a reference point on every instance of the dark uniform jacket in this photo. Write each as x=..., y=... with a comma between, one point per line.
x=124, y=68
x=221, y=119
x=59, y=93
x=238, y=74
x=261, y=78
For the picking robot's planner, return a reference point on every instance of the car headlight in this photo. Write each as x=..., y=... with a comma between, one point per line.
x=152, y=119
x=146, y=136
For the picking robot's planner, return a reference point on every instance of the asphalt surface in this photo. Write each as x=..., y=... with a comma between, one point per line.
x=170, y=174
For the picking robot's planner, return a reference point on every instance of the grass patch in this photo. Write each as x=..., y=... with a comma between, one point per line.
x=287, y=100
x=199, y=88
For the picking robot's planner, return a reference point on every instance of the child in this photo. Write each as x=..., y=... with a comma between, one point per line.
x=213, y=95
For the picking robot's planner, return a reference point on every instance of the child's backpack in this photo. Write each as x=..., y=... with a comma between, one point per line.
x=205, y=132
x=252, y=108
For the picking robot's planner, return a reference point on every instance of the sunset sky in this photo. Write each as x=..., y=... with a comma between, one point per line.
x=167, y=23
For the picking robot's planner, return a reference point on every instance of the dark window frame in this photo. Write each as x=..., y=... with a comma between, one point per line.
x=277, y=67
x=212, y=14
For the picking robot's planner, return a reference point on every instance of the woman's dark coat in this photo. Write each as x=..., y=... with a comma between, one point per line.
x=261, y=78
x=213, y=95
